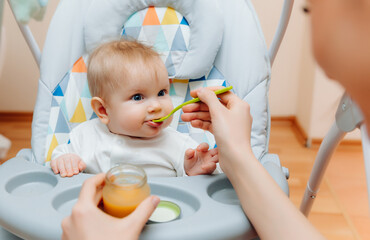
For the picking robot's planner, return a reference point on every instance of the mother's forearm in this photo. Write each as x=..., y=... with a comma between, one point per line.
x=271, y=212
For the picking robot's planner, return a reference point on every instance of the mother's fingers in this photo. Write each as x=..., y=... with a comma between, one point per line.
x=194, y=93
x=140, y=216
x=187, y=117
x=205, y=125
x=196, y=107
x=91, y=190
x=224, y=97
x=210, y=98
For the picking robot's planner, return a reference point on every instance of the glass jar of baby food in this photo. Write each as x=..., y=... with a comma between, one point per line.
x=125, y=188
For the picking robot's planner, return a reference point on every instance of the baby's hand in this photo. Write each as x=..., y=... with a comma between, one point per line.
x=67, y=165
x=200, y=161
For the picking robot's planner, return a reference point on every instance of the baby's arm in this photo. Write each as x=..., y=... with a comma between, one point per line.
x=67, y=165
x=200, y=161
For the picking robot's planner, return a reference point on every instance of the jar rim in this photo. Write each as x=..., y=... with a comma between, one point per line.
x=130, y=168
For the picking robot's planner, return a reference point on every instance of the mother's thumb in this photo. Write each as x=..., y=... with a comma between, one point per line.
x=142, y=213
x=209, y=98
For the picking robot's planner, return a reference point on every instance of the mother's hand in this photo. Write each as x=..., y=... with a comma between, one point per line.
x=225, y=115
x=87, y=221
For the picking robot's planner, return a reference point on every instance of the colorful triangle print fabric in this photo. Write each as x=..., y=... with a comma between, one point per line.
x=70, y=106
x=163, y=28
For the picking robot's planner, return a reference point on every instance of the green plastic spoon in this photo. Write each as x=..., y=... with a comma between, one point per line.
x=223, y=90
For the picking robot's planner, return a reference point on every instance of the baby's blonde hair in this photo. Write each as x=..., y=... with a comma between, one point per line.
x=112, y=63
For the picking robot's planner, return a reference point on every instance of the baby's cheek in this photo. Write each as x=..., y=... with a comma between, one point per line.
x=169, y=106
x=131, y=124
x=167, y=122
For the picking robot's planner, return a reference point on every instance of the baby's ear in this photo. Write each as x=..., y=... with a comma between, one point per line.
x=100, y=110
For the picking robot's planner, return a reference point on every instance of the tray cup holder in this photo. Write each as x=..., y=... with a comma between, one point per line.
x=222, y=191
x=188, y=203
x=31, y=184
x=64, y=201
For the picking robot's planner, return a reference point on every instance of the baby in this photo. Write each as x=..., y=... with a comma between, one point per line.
x=130, y=87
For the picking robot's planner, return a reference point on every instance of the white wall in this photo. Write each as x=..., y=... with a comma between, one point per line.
x=294, y=74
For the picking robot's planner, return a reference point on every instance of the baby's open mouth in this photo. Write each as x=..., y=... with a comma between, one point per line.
x=154, y=124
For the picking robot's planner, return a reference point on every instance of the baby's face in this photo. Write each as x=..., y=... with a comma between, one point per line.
x=141, y=99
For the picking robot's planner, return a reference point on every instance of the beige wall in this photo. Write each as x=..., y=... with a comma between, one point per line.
x=19, y=76
x=297, y=88
x=305, y=83
x=326, y=97
x=286, y=69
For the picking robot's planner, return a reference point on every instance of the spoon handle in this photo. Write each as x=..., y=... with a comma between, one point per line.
x=194, y=100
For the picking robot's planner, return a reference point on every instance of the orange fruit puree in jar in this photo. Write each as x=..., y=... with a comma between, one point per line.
x=125, y=188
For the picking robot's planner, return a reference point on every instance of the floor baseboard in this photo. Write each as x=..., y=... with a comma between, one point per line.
x=16, y=116
x=301, y=135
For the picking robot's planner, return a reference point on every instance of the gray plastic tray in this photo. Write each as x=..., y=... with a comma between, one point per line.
x=34, y=201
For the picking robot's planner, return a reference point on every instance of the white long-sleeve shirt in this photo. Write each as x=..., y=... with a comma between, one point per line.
x=161, y=156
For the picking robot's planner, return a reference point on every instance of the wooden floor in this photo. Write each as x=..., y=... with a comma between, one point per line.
x=341, y=208
x=19, y=132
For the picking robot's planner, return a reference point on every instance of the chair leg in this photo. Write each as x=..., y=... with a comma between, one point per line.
x=326, y=150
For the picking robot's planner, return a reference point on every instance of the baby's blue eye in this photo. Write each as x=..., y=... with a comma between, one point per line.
x=162, y=93
x=137, y=97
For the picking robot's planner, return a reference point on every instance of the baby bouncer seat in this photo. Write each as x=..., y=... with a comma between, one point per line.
x=202, y=43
